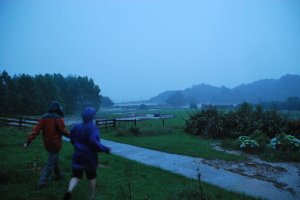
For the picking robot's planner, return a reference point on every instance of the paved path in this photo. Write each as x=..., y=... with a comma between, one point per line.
x=187, y=166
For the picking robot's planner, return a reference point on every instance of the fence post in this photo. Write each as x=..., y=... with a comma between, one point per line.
x=163, y=122
x=135, y=122
x=3, y=121
x=114, y=123
x=20, y=121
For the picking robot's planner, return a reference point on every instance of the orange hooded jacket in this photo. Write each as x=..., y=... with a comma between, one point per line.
x=53, y=127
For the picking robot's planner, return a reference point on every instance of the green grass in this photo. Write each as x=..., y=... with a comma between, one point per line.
x=180, y=115
x=176, y=142
x=20, y=169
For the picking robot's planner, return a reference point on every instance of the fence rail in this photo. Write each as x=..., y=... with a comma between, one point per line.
x=27, y=122
x=17, y=121
x=105, y=123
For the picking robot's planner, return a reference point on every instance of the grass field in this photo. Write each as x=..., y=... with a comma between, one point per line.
x=175, y=142
x=20, y=169
x=169, y=138
x=180, y=115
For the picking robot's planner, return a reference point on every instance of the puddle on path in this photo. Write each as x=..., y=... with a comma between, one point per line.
x=282, y=175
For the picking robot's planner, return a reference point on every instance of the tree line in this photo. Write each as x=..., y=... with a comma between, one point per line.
x=291, y=103
x=30, y=95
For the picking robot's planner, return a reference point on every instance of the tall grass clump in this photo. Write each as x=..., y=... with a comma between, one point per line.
x=250, y=129
x=242, y=121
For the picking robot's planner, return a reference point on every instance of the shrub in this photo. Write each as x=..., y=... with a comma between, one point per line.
x=285, y=142
x=272, y=123
x=260, y=137
x=207, y=122
x=249, y=119
x=245, y=119
x=285, y=147
x=247, y=144
x=294, y=128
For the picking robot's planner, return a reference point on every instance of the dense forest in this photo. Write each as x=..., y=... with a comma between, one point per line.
x=30, y=95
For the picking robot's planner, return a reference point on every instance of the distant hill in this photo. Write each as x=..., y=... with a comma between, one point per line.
x=258, y=91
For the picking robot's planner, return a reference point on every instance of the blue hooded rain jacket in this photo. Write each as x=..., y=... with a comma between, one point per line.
x=85, y=138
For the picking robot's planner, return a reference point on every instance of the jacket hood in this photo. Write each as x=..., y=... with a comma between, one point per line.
x=55, y=107
x=88, y=114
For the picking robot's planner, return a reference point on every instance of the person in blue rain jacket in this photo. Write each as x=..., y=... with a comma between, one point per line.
x=85, y=138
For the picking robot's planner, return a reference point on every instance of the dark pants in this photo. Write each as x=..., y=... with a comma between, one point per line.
x=50, y=167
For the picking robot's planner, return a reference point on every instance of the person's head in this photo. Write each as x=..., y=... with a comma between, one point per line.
x=88, y=114
x=55, y=107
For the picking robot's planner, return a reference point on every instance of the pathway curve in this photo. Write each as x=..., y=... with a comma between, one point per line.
x=285, y=185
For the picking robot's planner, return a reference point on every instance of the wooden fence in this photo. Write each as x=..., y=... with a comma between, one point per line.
x=28, y=122
x=134, y=121
x=106, y=123
x=17, y=121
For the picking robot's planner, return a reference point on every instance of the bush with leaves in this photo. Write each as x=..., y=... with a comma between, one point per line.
x=247, y=144
x=294, y=127
x=245, y=119
x=260, y=137
x=285, y=147
x=208, y=122
x=249, y=119
x=272, y=122
x=285, y=142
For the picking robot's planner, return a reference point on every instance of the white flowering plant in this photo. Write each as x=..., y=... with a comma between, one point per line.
x=247, y=144
x=285, y=142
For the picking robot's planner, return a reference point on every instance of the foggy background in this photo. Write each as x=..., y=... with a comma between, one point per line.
x=135, y=50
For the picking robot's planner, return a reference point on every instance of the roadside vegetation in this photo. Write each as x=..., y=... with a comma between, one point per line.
x=268, y=133
x=271, y=134
x=118, y=178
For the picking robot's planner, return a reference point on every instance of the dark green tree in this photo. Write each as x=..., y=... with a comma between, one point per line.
x=106, y=102
x=24, y=94
x=8, y=94
x=28, y=95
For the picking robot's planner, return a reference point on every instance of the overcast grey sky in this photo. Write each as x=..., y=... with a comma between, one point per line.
x=135, y=49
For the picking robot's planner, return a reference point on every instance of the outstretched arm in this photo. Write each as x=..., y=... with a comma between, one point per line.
x=35, y=131
x=95, y=142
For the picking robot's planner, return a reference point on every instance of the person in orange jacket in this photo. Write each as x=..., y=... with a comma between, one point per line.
x=53, y=127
